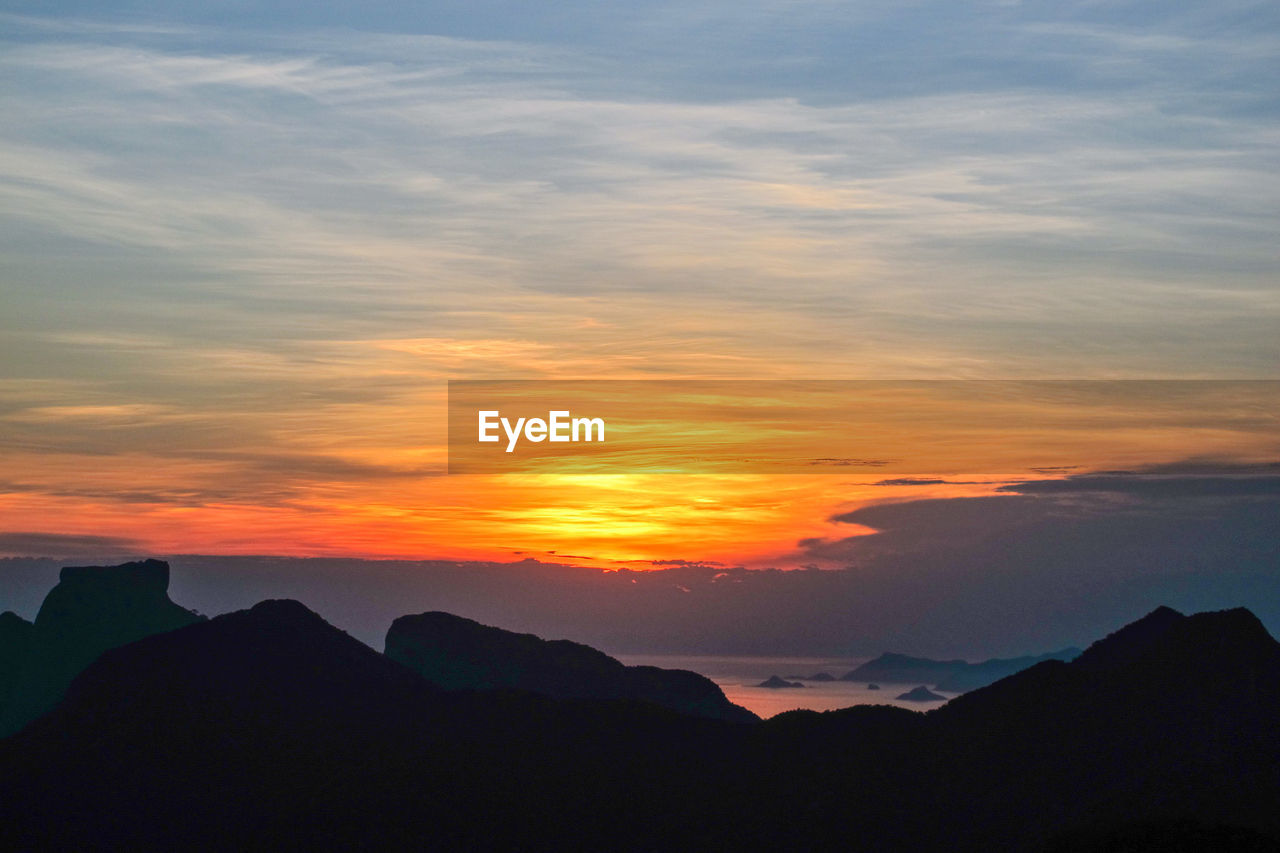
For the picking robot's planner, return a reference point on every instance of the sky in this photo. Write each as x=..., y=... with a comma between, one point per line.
x=243, y=246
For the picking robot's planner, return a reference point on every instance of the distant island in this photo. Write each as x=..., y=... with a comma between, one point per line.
x=775, y=683
x=817, y=676
x=953, y=676
x=921, y=694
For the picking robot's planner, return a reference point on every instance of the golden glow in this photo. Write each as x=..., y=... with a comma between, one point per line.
x=369, y=481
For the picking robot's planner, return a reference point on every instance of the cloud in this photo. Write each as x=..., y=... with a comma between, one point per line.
x=677, y=563
x=852, y=462
x=513, y=160
x=1059, y=557
x=65, y=546
x=923, y=481
x=1202, y=466
x=1153, y=488
x=195, y=477
x=1182, y=479
x=271, y=235
x=84, y=26
x=1004, y=574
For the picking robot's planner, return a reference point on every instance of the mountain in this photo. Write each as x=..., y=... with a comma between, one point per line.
x=15, y=645
x=1132, y=642
x=902, y=669
x=1159, y=731
x=271, y=728
x=1172, y=717
x=203, y=731
x=955, y=676
x=92, y=609
x=454, y=653
x=975, y=675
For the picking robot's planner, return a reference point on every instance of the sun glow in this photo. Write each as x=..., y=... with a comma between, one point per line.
x=375, y=486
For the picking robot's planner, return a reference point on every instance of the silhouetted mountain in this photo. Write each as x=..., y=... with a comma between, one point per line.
x=15, y=645
x=1167, y=836
x=270, y=728
x=91, y=610
x=903, y=669
x=1132, y=641
x=955, y=676
x=773, y=682
x=460, y=654
x=975, y=675
x=1172, y=717
x=920, y=694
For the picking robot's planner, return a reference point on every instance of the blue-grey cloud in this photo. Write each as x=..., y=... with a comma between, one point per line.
x=1078, y=551
x=37, y=544
x=960, y=180
x=1153, y=488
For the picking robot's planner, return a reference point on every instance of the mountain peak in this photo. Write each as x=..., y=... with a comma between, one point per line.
x=92, y=609
x=1131, y=642
x=286, y=611
x=1225, y=632
x=100, y=598
x=15, y=639
x=149, y=574
x=10, y=621
x=456, y=653
x=1166, y=647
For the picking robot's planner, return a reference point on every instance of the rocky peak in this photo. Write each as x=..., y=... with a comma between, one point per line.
x=91, y=610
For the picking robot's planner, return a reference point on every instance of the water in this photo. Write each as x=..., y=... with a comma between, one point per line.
x=738, y=677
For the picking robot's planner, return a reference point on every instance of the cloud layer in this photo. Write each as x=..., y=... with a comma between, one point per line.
x=244, y=245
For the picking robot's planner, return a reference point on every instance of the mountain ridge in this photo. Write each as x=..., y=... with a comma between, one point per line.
x=90, y=610
x=456, y=653
x=270, y=727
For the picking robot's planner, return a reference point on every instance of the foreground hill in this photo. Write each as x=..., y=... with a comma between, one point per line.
x=1170, y=722
x=454, y=653
x=270, y=728
x=1173, y=716
x=15, y=645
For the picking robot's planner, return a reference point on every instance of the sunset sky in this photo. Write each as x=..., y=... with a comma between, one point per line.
x=243, y=246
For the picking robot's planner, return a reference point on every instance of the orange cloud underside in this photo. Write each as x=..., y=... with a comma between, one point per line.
x=366, y=483
x=608, y=521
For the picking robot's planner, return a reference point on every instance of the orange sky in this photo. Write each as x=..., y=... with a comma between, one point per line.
x=370, y=482
x=240, y=259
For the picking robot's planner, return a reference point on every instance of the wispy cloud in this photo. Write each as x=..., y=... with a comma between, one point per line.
x=63, y=545
x=277, y=237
